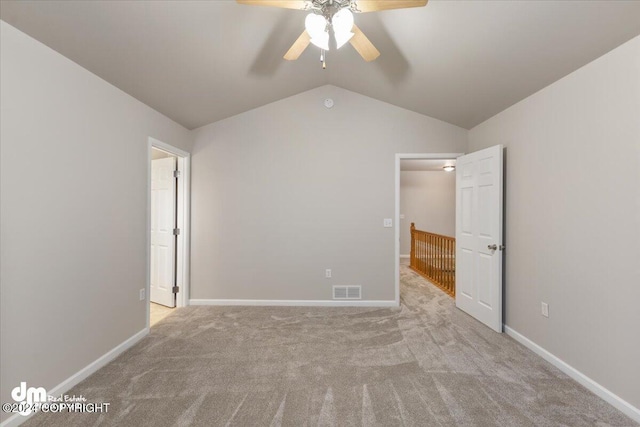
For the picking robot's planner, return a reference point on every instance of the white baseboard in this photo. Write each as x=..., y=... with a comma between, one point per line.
x=66, y=385
x=600, y=391
x=294, y=303
x=405, y=256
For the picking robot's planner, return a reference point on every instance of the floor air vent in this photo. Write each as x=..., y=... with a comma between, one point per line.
x=347, y=292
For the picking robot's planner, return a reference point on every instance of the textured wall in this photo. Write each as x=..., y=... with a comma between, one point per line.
x=285, y=191
x=573, y=217
x=74, y=213
x=428, y=199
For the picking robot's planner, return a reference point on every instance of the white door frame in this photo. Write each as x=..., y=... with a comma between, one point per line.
x=184, y=202
x=415, y=156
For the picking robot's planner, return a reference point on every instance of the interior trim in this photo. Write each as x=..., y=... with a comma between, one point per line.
x=81, y=375
x=295, y=303
x=597, y=389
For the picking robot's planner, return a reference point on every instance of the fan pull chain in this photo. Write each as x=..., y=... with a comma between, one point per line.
x=323, y=58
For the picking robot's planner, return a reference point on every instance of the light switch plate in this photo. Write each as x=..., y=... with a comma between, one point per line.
x=401, y=216
x=545, y=309
x=388, y=222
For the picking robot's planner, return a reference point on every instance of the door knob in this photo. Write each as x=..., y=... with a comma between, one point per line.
x=493, y=247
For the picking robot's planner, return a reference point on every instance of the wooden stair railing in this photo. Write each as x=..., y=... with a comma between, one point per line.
x=434, y=257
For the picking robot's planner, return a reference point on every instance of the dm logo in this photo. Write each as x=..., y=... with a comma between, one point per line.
x=28, y=397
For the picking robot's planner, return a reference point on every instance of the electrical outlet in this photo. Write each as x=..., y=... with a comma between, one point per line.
x=545, y=309
x=142, y=294
x=387, y=223
x=327, y=273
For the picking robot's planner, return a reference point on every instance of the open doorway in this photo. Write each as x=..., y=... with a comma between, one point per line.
x=478, y=256
x=426, y=218
x=168, y=201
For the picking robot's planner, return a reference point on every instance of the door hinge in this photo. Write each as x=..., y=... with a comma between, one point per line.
x=175, y=289
x=176, y=231
x=176, y=174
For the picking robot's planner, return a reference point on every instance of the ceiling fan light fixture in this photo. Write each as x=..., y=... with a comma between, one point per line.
x=322, y=41
x=342, y=23
x=342, y=39
x=316, y=26
x=337, y=15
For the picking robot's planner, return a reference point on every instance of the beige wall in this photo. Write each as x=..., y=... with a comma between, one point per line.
x=285, y=191
x=73, y=213
x=573, y=217
x=428, y=199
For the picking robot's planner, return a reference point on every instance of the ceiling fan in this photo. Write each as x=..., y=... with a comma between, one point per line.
x=334, y=18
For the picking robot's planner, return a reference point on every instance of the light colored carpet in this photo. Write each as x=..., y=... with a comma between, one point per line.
x=424, y=364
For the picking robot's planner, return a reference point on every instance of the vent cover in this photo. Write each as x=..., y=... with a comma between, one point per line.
x=347, y=292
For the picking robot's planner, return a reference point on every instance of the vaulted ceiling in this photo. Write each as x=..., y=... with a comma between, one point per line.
x=201, y=61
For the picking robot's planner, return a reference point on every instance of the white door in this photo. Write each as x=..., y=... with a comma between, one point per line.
x=163, y=221
x=479, y=235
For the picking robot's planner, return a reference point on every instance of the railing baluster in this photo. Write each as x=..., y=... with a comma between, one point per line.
x=425, y=268
x=412, y=251
x=437, y=260
x=449, y=288
x=426, y=251
x=421, y=252
x=434, y=259
x=441, y=260
x=422, y=249
x=439, y=240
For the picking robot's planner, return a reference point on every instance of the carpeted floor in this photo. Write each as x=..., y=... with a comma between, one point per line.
x=424, y=364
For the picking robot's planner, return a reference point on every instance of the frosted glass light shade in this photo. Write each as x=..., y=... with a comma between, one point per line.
x=322, y=40
x=316, y=26
x=342, y=25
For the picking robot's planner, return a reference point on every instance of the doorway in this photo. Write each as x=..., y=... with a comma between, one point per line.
x=167, y=230
x=425, y=215
x=428, y=220
x=479, y=232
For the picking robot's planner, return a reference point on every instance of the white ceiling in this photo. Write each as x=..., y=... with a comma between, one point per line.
x=424, y=165
x=201, y=61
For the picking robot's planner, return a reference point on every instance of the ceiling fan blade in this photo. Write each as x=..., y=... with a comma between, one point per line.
x=286, y=4
x=376, y=5
x=298, y=47
x=363, y=45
